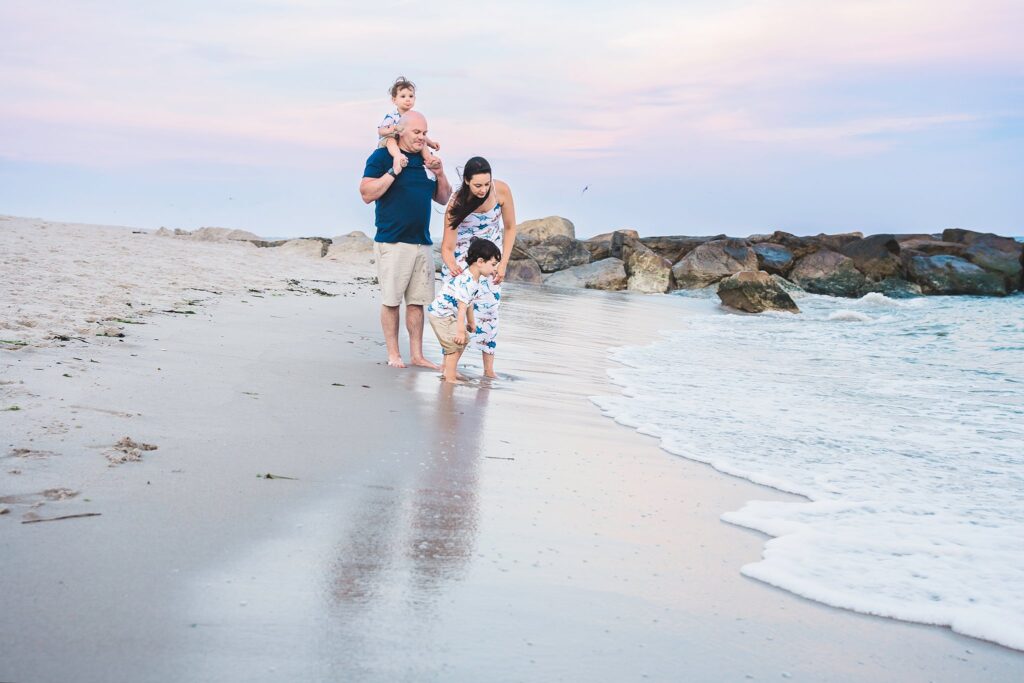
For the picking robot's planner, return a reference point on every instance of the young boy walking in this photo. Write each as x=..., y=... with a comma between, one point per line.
x=451, y=313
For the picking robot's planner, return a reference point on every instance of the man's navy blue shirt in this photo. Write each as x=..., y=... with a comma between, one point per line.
x=403, y=212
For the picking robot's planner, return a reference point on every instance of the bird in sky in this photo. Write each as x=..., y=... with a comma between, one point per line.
x=585, y=188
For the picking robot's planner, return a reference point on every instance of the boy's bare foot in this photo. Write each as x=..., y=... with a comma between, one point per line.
x=396, y=362
x=424, y=363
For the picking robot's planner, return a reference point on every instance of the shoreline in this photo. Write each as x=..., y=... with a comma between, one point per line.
x=590, y=553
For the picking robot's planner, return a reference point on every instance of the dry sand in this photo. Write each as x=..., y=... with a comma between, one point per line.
x=478, y=533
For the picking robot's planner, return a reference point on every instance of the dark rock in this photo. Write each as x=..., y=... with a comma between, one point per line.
x=834, y=242
x=773, y=258
x=524, y=270
x=933, y=247
x=608, y=274
x=892, y=287
x=877, y=256
x=953, y=275
x=601, y=246
x=828, y=272
x=754, y=292
x=558, y=253
x=712, y=261
x=676, y=247
x=998, y=255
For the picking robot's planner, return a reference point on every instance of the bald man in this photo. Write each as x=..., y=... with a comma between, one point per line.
x=405, y=264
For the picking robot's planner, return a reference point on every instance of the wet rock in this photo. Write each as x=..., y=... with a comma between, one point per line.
x=524, y=270
x=773, y=258
x=828, y=272
x=608, y=274
x=877, y=256
x=541, y=229
x=712, y=261
x=755, y=292
x=953, y=275
x=993, y=253
x=892, y=287
x=558, y=253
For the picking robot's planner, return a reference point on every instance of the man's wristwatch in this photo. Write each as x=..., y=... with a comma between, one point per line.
x=391, y=172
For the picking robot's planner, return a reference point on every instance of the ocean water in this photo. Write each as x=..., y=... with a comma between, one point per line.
x=900, y=421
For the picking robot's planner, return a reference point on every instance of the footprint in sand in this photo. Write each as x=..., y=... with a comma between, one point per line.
x=128, y=450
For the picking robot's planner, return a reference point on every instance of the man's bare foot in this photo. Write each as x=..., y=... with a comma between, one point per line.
x=424, y=363
x=396, y=362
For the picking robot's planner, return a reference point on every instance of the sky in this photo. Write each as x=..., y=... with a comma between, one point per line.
x=698, y=118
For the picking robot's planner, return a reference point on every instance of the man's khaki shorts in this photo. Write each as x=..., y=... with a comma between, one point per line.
x=445, y=329
x=405, y=271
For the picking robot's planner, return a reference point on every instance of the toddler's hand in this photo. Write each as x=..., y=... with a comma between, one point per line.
x=459, y=338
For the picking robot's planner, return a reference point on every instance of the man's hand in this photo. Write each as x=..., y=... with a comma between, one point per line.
x=434, y=164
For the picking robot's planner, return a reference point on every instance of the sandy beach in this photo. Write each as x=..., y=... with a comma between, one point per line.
x=409, y=531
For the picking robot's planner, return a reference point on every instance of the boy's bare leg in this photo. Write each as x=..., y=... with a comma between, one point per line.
x=488, y=360
x=389, y=324
x=414, y=324
x=398, y=159
x=451, y=367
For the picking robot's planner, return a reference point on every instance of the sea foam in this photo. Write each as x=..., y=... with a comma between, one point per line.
x=905, y=435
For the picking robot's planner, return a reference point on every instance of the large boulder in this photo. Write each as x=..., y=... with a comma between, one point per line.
x=877, y=256
x=316, y=247
x=355, y=244
x=609, y=274
x=647, y=272
x=828, y=272
x=558, y=253
x=600, y=246
x=997, y=254
x=712, y=261
x=892, y=287
x=754, y=292
x=541, y=229
x=524, y=270
x=933, y=246
x=953, y=275
x=219, y=235
x=834, y=242
x=773, y=258
x=676, y=247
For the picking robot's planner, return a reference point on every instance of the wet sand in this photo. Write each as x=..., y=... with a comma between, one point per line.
x=503, y=532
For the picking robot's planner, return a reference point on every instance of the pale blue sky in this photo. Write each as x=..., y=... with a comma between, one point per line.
x=681, y=117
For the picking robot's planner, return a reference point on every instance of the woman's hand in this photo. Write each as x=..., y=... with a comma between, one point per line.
x=453, y=267
x=499, y=275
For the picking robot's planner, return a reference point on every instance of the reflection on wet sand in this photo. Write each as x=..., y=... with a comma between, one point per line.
x=416, y=532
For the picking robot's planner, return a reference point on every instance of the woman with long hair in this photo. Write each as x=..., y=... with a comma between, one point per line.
x=482, y=207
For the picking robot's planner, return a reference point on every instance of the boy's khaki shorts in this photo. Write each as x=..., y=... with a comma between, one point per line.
x=445, y=329
x=404, y=271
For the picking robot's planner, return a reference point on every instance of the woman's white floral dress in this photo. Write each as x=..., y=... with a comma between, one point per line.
x=486, y=226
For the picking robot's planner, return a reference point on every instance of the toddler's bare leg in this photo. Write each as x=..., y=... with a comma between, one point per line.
x=488, y=359
x=451, y=367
